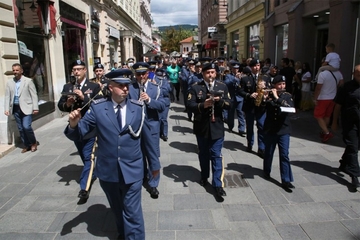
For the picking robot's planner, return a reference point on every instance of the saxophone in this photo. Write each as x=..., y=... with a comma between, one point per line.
x=260, y=86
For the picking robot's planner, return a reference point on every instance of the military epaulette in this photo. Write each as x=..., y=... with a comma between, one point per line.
x=218, y=82
x=99, y=100
x=196, y=83
x=137, y=102
x=286, y=93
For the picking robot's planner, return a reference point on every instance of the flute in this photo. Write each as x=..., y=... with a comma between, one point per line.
x=211, y=90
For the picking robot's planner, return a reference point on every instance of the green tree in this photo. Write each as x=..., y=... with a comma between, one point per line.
x=171, y=39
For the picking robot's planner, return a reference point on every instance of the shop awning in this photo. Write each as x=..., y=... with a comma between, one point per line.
x=211, y=44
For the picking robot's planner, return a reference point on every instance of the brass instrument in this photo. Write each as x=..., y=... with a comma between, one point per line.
x=260, y=87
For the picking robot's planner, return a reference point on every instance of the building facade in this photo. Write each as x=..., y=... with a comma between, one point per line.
x=212, y=34
x=300, y=30
x=54, y=33
x=245, y=32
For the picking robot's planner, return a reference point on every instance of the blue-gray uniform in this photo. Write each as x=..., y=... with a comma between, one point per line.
x=119, y=164
x=233, y=84
x=164, y=84
x=150, y=135
x=277, y=128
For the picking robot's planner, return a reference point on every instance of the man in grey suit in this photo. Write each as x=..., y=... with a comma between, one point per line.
x=21, y=100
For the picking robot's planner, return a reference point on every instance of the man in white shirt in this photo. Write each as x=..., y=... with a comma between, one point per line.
x=324, y=94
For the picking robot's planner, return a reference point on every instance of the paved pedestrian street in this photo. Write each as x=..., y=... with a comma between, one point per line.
x=38, y=191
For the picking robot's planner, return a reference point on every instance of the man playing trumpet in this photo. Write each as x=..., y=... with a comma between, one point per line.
x=207, y=99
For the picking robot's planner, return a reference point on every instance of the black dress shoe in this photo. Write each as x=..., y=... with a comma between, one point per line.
x=154, y=193
x=220, y=192
x=261, y=153
x=203, y=182
x=83, y=194
x=164, y=138
x=288, y=185
x=355, y=182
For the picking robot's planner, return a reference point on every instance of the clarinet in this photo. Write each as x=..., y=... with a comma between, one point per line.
x=141, y=87
x=211, y=90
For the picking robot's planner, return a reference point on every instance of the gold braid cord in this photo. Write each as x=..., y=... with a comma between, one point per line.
x=92, y=160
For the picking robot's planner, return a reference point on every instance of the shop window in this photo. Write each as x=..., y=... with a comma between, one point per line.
x=254, y=41
x=235, y=44
x=281, y=42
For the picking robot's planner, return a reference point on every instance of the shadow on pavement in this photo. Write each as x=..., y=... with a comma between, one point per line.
x=99, y=219
x=233, y=145
x=183, y=173
x=306, y=127
x=248, y=172
x=185, y=147
x=182, y=129
x=325, y=170
x=178, y=117
x=177, y=109
x=70, y=173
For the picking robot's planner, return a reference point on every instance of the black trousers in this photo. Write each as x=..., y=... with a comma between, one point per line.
x=349, y=159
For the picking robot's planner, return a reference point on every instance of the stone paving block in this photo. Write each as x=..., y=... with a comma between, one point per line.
x=353, y=226
x=4, y=200
x=301, y=213
x=24, y=204
x=206, y=235
x=164, y=202
x=151, y=220
x=291, y=232
x=92, y=221
x=320, y=180
x=245, y=212
x=195, y=201
x=185, y=220
x=297, y=196
x=249, y=230
x=160, y=235
x=87, y=236
x=220, y=219
x=326, y=230
x=175, y=188
x=344, y=211
x=53, y=204
x=12, y=189
x=353, y=204
x=27, y=236
x=330, y=193
x=271, y=197
x=240, y=196
x=56, y=188
x=25, y=222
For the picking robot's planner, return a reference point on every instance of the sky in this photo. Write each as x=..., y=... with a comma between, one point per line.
x=170, y=13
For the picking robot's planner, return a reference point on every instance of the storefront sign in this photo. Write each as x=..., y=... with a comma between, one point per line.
x=24, y=50
x=113, y=32
x=212, y=29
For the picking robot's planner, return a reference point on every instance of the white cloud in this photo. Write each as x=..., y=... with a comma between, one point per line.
x=165, y=12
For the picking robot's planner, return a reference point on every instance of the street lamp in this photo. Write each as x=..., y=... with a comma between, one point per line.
x=33, y=7
x=215, y=4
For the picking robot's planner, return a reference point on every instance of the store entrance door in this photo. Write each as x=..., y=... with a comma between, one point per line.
x=321, y=42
